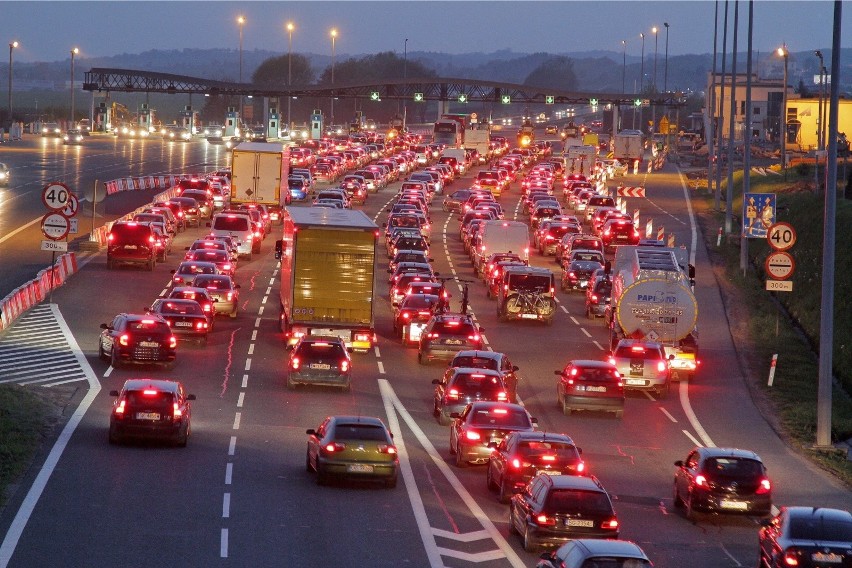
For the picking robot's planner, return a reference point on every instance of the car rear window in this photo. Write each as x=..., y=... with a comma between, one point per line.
x=192, y=268
x=130, y=232
x=212, y=282
x=321, y=350
x=587, y=257
x=453, y=328
x=475, y=362
x=529, y=282
x=739, y=468
x=500, y=417
x=601, y=201
x=546, y=212
x=359, y=432
x=230, y=223
x=149, y=326
x=153, y=399
x=418, y=301
x=595, y=374
x=478, y=381
x=531, y=448
x=585, y=243
x=578, y=501
x=182, y=308
x=818, y=529
x=614, y=562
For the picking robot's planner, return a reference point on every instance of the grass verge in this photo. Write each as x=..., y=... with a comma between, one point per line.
x=23, y=425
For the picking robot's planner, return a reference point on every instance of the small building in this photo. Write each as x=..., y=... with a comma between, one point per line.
x=767, y=97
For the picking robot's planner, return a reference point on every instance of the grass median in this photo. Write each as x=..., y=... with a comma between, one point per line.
x=24, y=423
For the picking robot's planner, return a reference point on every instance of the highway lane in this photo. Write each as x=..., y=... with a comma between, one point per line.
x=272, y=501
x=36, y=161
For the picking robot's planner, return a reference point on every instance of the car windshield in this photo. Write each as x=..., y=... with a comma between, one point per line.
x=578, y=501
x=529, y=282
x=148, y=326
x=637, y=352
x=181, y=308
x=359, y=432
x=230, y=223
x=475, y=362
x=500, y=418
x=739, y=468
x=186, y=268
x=815, y=528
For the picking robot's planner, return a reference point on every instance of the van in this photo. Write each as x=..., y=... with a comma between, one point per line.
x=130, y=242
x=237, y=225
x=461, y=158
x=502, y=236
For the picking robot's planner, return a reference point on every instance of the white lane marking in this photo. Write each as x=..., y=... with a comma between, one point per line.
x=381, y=368
x=391, y=402
x=271, y=281
x=229, y=473
x=16, y=529
x=485, y=556
x=575, y=320
x=583, y=329
x=223, y=544
x=667, y=413
x=251, y=349
x=377, y=352
x=226, y=505
x=15, y=232
x=108, y=372
x=564, y=309
x=257, y=322
x=248, y=365
x=485, y=340
x=232, y=445
x=254, y=335
x=260, y=311
x=461, y=537
x=263, y=301
x=598, y=345
x=269, y=290
x=731, y=556
x=691, y=437
x=774, y=510
x=245, y=381
x=690, y=415
x=237, y=417
x=646, y=393
x=241, y=399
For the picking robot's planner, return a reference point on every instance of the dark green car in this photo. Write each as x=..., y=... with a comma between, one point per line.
x=352, y=447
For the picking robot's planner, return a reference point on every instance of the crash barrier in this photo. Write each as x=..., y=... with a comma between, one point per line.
x=35, y=291
x=99, y=234
x=140, y=183
x=659, y=161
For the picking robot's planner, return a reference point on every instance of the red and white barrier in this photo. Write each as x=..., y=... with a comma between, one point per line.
x=35, y=291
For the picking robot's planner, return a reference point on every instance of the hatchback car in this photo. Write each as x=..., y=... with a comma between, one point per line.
x=354, y=447
x=411, y=316
x=151, y=408
x=523, y=455
x=322, y=361
x=722, y=480
x=553, y=509
x=462, y=385
x=186, y=318
x=806, y=537
x=137, y=338
x=643, y=365
x=598, y=296
x=200, y=295
x=447, y=334
x=494, y=361
x=578, y=268
x=483, y=424
x=590, y=385
x=224, y=291
x=588, y=553
x=189, y=269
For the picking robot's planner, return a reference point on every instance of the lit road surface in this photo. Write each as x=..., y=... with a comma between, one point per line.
x=239, y=493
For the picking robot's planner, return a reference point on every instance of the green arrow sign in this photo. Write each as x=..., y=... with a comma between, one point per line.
x=462, y=98
x=637, y=102
x=374, y=95
x=593, y=102
x=418, y=97
x=549, y=99
x=505, y=99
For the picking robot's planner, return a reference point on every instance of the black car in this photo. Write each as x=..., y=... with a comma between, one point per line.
x=806, y=537
x=553, y=509
x=447, y=334
x=185, y=317
x=598, y=297
x=129, y=242
x=137, y=338
x=586, y=384
x=317, y=360
x=722, y=480
x=579, y=269
x=151, y=408
x=462, y=385
x=493, y=360
x=523, y=455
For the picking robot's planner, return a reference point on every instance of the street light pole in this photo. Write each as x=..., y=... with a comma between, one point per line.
x=333, y=40
x=666, y=64
x=819, y=123
x=782, y=51
x=290, y=28
x=623, y=79
x=642, y=83
x=12, y=46
x=405, y=77
x=241, y=20
x=74, y=52
x=654, y=107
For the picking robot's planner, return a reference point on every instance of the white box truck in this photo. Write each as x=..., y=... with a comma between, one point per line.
x=502, y=236
x=259, y=172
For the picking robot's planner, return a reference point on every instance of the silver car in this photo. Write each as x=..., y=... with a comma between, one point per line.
x=643, y=365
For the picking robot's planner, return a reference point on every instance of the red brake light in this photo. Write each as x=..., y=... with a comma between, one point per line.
x=387, y=449
x=453, y=393
x=344, y=365
x=124, y=340
x=294, y=363
x=545, y=521
x=610, y=524
x=661, y=366
x=172, y=341
x=548, y=458
x=516, y=463
x=701, y=481
x=120, y=408
x=581, y=467
x=334, y=447
x=637, y=349
x=176, y=411
x=150, y=392
x=471, y=435
x=764, y=487
x=791, y=558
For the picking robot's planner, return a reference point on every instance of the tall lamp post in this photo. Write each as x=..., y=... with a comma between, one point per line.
x=12, y=46
x=642, y=83
x=654, y=108
x=241, y=20
x=666, y=64
x=783, y=52
x=290, y=28
x=821, y=97
x=74, y=52
x=405, y=77
x=333, y=40
x=623, y=65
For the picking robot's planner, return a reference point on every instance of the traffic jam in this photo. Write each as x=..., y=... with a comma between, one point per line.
x=538, y=226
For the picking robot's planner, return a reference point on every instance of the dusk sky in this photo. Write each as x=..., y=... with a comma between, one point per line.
x=48, y=30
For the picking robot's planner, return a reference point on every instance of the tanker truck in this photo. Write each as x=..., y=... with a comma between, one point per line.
x=652, y=300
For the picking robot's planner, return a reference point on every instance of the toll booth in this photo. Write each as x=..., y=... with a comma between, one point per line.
x=146, y=118
x=103, y=117
x=273, y=124
x=232, y=123
x=189, y=119
x=316, y=124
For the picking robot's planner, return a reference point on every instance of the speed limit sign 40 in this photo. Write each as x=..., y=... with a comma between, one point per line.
x=781, y=236
x=55, y=195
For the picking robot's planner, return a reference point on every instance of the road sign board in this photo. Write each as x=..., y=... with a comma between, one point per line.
x=505, y=99
x=462, y=98
x=374, y=96
x=593, y=102
x=780, y=265
x=549, y=99
x=779, y=285
x=55, y=195
x=630, y=191
x=71, y=207
x=418, y=97
x=781, y=236
x=758, y=214
x=73, y=226
x=55, y=226
x=54, y=246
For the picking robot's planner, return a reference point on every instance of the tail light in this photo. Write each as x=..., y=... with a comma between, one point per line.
x=471, y=435
x=226, y=267
x=176, y=411
x=201, y=325
x=764, y=487
x=124, y=340
x=545, y=521
x=334, y=447
x=230, y=296
x=295, y=363
x=453, y=394
x=516, y=463
x=661, y=366
x=791, y=557
x=206, y=307
x=406, y=315
x=581, y=467
x=611, y=524
x=119, y=409
x=502, y=397
x=432, y=336
x=387, y=449
x=110, y=237
x=611, y=360
x=474, y=337
x=344, y=366
x=701, y=481
x=593, y=299
x=169, y=323
x=172, y=342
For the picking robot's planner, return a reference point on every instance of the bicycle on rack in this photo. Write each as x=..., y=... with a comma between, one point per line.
x=534, y=304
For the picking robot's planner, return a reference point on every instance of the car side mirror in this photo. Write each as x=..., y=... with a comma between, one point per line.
x=679, y=463
x=190, y=397
x=237, y=286
x=104, y=326
x=557, y=373
x=311, y=432
x=113, y=393
x=454, y=415
x=534, y=420
x=173, y=271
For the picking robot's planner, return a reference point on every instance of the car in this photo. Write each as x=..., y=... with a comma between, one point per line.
x=482, y=423
x=222, y=288
x=643, y=365
x=462, y=385
x=151, y=409
x=129, y=242
x=137, y=338
x=523, y=455
x=318, y=360
x=239, y=225
x=551, y=129
x=586, y=384
x=588, y=553
x=619, y=232
x=156, y=218
x=200, y=295
x=189, y=269
x=207, y=244
x=5, y=174
x=408, y=256
x=598, y=296
x=494, y=361
x=572, y=242
x=446, y=334
x=162, y=241
x=408, y=268
x=186, y=317
x=189, y=208
x=526, y=293
x=412, y=314
x=72, y=137
x=548, y=238
x=51, y=129
x=354, y=447
x=806, y=537
x=554, y=509
x=578, y=268
x=221, y=258
x=722, y=480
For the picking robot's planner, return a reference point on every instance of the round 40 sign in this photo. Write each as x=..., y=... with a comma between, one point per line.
x=781, y=236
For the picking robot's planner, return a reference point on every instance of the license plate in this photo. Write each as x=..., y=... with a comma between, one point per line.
x=148, y=344
x=736, y=505
x=453, y=342
x=579, y=523
x=183, y=324
x=529, y=316
x=359, y=468
x=828, y=557
x=415, y=331
x=323, y=366
x=549, y=471
x=596, y=389
x=634, y=381
x=130, y=247
x=584, y=283
x=147, y=416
